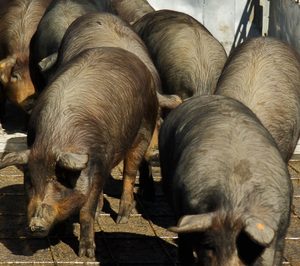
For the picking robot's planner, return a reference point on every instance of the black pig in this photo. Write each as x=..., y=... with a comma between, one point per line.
x=188, y=58
x=227, y=182
x=264, y=74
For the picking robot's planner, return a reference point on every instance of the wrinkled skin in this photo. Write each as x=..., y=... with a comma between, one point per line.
x=16, y=84
x=232, y=204
x=264, y=74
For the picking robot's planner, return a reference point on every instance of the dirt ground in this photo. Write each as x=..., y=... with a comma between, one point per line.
x=145, y=240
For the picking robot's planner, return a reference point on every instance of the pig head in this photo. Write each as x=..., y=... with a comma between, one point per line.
x=50, y=187
x=225, y=239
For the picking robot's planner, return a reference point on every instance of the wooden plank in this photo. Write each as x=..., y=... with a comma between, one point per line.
x=13, y=142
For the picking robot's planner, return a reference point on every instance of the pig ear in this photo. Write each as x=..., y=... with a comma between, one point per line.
x=193, y=223
x=259, y=231
x=15, y=158
x=48, y=62
x=6, y=66
x=72, y=161
x=168, y=101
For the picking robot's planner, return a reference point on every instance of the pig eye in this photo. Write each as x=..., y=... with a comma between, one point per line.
x=66, y=177
x=15, y=76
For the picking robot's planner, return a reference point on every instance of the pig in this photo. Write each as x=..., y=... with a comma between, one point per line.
x=19, y=20
x=227, y=183
x=52, y=27
x=188, y=58
x=264, y=74
x=99, y=108
x=105, y=29
x=131, y=10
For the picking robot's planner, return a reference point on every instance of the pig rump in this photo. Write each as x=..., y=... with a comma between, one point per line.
x=100, y=108
x=104, y=30
x=264, y=74
x=132, y=10
x=52, y=27
x=188, y=58
x=227, y=182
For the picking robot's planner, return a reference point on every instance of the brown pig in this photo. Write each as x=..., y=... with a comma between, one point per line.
x=19, y=20
x=99, y=108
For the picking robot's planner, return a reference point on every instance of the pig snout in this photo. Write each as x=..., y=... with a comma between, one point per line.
x=41, y=222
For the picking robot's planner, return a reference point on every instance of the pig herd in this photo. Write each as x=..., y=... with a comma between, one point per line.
x=98, y=78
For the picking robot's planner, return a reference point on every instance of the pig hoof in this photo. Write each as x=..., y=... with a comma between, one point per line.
x=124, y=212
x=122, y=219
x=87, y=250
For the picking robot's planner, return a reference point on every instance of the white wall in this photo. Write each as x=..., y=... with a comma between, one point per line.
x=285, y=21
x=285, y=24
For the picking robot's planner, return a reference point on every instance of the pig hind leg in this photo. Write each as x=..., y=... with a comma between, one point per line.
x=146, y=178
x=132, y=161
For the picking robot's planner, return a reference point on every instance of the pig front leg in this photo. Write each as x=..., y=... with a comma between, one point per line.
x=87, y=218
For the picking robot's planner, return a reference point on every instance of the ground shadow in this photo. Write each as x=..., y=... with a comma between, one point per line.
x=14, y=119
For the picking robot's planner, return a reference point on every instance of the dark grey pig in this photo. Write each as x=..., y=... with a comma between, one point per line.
x=188, y=58
x=99, y=109
x=264, y=74
x=227, y=182
x=53, y=25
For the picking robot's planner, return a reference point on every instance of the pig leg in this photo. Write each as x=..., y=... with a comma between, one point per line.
x=146, y=181
x=100, y=204
x=132, y=161
x=87, y=218
x=146, y=178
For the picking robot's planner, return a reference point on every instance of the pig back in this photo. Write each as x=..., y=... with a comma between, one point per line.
x=58, y=17
x=19, y=20
x=96, y=102
x=188, y=58
x=215, y=155
x=103, y=29
x=264, y=74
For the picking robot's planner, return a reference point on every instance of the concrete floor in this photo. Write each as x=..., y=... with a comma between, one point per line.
x=143, y=241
